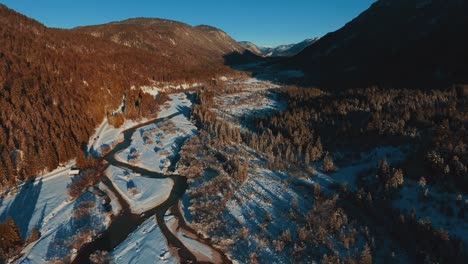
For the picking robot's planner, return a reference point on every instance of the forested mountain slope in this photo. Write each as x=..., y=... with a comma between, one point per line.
x=57, y=85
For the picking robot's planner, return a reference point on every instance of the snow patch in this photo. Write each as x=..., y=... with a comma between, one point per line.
x=141, y=193
x=146, y=245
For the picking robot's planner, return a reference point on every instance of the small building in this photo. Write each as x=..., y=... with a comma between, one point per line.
x=73, y=172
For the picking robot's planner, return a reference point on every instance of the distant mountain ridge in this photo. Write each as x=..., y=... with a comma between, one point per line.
x=278, y=51
x=393, y=43
x=252, y=47
x=195, y=46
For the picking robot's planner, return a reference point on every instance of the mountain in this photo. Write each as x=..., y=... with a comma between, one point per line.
x=201, y=46
x=279, y=51
x=57, y=85
x=252, y=47
x=288, y=50
x=394, y=43
x=295, y=49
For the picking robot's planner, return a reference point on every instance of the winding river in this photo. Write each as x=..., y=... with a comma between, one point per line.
x=126, y=222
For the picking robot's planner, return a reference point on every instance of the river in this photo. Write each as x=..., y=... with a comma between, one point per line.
x=126, y=222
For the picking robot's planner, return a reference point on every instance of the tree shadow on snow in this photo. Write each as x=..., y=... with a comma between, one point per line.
x=185, y=110
x=130, y=184
x=175, y=148
x=62, y=242
x=41, y=218
x=23, y=206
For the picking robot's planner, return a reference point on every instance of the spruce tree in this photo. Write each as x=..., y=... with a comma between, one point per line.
x=366, y=255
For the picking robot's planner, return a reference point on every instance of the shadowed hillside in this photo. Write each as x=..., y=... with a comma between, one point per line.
x=394, y=43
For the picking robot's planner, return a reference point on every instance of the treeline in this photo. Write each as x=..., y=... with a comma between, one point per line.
x=433, y=121
x=374, y=197
x=286, y=138
x=92, y=173
x=229, y=170
x=319, y=233
x=354, y=121
x=57, y=85
x=136, y=104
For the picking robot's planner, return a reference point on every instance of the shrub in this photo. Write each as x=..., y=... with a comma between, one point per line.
x=35, y=235
x=328, y=165
x=100, y=257
x=286, y=236
x=268, y=218
x=253, y=258
x=279, y=245
x=83, y=209
x=244, y=233
x=116, y=120
x=302, y=234
x=86, y=179
x=316, y=190
x=366, y=256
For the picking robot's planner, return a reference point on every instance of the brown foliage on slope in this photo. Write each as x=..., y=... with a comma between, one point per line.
x=193, y=50
x=57, y=85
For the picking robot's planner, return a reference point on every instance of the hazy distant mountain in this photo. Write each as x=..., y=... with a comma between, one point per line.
x=252, y=47
x=279, y=51
x=394, y=42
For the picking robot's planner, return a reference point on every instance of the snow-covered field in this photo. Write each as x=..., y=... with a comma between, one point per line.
x=153, y=146
x=253, y=99
x=146, y=245
x=179, y=103
x=63, y=233
x=105, y=136
x=263, y=206
x=276, y=196
x=440, y=208
x=249, y=103
x=141, y=193
x=264, y=195
x=202, y=252
x=347, y=175
x=164, y=87
x=36, y=202
x=45, y=205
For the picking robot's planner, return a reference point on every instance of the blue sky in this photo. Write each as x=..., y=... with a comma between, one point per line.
x=266, y=23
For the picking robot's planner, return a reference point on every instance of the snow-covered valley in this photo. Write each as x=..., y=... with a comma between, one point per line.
x=198, y=183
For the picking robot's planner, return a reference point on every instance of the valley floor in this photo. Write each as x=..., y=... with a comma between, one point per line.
x=236, y=204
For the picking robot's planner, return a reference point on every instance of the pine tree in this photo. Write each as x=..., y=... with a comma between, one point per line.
x=81, y=161
x=383, y=169
x=10, y=238
x=10, y=222
x=306, y=159
x=366, y=256
x=318, y=146
x=328, y=165
x=396, y=180
x=317, y=150
x=35, y=235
